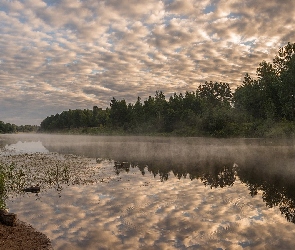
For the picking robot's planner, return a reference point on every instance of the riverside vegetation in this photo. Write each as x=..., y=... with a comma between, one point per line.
x=262, y=107
x=12, y=128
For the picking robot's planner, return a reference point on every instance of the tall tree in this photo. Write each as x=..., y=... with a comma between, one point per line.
x=284, y=64
x=215, y=93
x=119, y=113
x=248, y=98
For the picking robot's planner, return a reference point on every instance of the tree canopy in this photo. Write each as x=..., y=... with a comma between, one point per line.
x=6, y=128
x=272, y=94
x=212, y=110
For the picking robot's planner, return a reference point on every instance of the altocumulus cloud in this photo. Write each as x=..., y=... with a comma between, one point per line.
x=57, y=55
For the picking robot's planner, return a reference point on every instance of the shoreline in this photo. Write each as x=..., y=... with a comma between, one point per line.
x=23, y=236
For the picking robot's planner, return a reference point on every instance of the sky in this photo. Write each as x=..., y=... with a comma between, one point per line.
x=68, y=54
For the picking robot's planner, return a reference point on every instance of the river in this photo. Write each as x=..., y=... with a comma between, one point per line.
x=107, y=192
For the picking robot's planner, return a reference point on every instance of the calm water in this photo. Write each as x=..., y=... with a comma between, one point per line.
x=164, y=193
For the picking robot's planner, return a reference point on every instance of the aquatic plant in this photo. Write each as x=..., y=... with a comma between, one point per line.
x=46, y=170
x=5, y=174
x=2, y=191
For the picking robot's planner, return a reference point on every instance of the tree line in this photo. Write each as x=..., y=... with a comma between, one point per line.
x=6, y=128
x=261, y=106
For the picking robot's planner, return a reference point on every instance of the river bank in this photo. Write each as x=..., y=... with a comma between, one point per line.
x=22, y=236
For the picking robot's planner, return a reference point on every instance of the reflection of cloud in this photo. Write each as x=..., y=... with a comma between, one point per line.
x=131, y=211
x=140, y=212
x=52, y=51
x=27, y=147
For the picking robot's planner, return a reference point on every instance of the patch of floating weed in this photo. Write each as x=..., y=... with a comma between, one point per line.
x=10, y=180
x=45, y=170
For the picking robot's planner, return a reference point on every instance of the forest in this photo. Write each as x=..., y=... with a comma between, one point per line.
x=8, y=128
x=260, y=107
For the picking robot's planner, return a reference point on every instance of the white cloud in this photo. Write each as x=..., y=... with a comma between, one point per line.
x=167, y=45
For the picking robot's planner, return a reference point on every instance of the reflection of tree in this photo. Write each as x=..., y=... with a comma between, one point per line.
x=277, y=190
x=218, y=174
x=121, y=166
x=162, y=172
x=220, y=177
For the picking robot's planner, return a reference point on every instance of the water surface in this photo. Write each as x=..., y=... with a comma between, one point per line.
x=162, y=193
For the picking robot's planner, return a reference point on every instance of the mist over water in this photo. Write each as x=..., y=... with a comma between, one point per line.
x=163, y=192
x=273, y=154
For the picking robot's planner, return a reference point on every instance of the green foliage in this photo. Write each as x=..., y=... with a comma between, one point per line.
x=119, y=113
x=215, y=94
x=73, y=119
x=27, y=128
x=272, y=95
x=8, y=128
x=259, y=107
x=249, y=98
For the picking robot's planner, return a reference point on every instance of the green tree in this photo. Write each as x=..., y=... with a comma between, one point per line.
x=137, y=114
x=119, y=113
x=269, y=84
x=249, y=98
x=271, y=96
x=161, y=110
x=284, y=64
x=215, y=94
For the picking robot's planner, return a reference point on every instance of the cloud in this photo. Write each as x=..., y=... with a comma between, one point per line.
x=134, y=211
x=120, y=45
